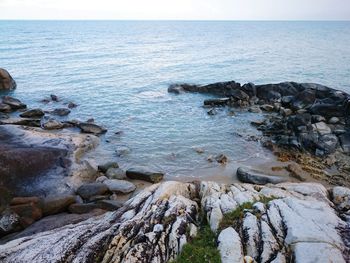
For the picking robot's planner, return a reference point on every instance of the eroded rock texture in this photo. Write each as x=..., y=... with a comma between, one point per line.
x=286, y=222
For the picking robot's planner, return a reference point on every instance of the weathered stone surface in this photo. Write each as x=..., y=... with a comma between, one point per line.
x=6, y=80
x=116, y=173
x=51, y=124
x=145, y=175
x=247, y=176
x=119, y=186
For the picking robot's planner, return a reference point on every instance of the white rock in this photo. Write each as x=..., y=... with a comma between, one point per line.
x=306, y=252
x=322, y=128
x=230, y=246
x=251, y=234
x=215, y=218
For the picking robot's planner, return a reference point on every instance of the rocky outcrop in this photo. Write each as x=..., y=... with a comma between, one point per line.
x=279, y=223
x=6, y=81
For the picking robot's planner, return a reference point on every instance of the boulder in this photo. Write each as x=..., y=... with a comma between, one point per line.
x=5, y=108
x=104, y=167
x=87, y=127
x=247, y=176
x=60, y=112
x=6, y=80
x=92, y=189
x=144, y=175
x=57, y=204
x=115, y=173
x=28, y=213
x=327, y=110
x=119, y=186
x=51, y=124
x=14, y=103
x=33, y=113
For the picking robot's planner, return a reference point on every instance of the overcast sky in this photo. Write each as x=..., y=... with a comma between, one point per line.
x=177, y=9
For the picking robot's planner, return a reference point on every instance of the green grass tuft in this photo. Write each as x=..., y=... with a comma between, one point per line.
x=201, y=249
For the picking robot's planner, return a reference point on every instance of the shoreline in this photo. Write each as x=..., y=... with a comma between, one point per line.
x=305, y=126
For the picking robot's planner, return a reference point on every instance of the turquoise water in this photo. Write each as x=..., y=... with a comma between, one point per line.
x=118, y=73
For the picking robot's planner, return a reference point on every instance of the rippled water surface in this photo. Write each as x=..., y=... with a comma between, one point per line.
x=118, y=73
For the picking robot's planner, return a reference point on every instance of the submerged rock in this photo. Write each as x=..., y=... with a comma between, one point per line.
x=6, y=80
x=60, y=112
x=145, y=175
x=247, y=176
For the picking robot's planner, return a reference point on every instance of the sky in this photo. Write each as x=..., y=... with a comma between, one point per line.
x=177, y=9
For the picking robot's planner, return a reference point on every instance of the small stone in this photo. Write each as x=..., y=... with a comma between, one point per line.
x=267, y=107
x=254, y=109
x=51, y=124
x=87, y=127
x=61, y=112
x=54, y=205
x=54, y=97
x=212, y=112
x=221, y=158
x=333, y=120
x=72, y=105
x=101, y=179
x=199, y=150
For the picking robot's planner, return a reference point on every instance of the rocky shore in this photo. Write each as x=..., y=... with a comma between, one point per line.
x=58, y=205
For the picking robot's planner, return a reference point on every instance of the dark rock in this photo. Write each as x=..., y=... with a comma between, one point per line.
x=26, y=200
x=82, y=208
x=217, y=102
x=55, y=205
x=145, y=175
x=87, y=127
x=284, y=88
x=250, y=89
x=212, y=112
x=104, y=167
x=92, y=189
x=13, y=103
x=32, y=113
x=247, y=176
x=5, y=198
x=61, y=112
x=6, y=80
x=303, y=99
x=9, y=222
x=298, y=120
x=110, y=205
x=309, y=140
x=317, y=118
x=273, y=96
x=221, y=158
x=122, y=150
x=54, y=97
x=72, y=105
x=328, y=110
x=267, y=107
x=287, y=100
x=5, y=108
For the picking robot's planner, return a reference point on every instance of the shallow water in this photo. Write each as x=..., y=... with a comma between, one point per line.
x=118, y=73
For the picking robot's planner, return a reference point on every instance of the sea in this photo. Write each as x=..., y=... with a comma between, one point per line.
x=118, y=73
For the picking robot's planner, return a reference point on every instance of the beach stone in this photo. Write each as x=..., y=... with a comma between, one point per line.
x=104, y=167
x=60, y=112
x=72, y=105
x=254, y=109
x=246, y=176
x=6, y=80
x=212, y=112
x=267, y=107
x=5, y=108
x=221, y=158
x=13, y=102
x=57, y=204
x=144, y=175
x=9, y=222
x=334, y=120
x=230, y=246
x=51, y=124
x=122, y=151
x=317, y=118
x=33, y=113
x=119, y=186
x=87, y=127
x=100, y=179
x=115, y=173
x=21, y=121
x=86, y=191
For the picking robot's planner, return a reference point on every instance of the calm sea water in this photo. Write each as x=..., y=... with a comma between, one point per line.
x=118, y=73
